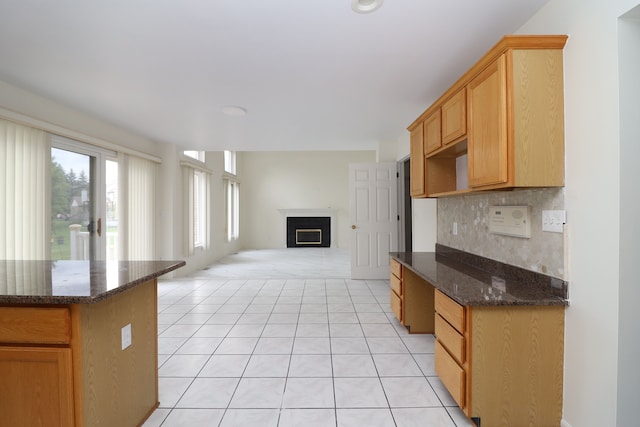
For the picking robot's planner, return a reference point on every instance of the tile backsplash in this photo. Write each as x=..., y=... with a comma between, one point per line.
x=543, y=252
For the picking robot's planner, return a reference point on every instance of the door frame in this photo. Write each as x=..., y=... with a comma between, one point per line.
x=405, y=225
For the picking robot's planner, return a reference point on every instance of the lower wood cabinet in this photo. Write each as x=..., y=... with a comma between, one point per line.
x=65, y=365
x=502, y=364
x=411, y=299
x=36, y=387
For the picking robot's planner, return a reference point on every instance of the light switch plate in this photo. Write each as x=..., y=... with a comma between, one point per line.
x=126, y=336
x=554, y=221
x=510, y=220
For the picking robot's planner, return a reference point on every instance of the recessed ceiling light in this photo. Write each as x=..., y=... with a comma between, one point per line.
x=233, y=110
x=365, y=6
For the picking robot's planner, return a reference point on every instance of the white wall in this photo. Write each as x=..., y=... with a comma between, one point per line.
x=593, y=205
x=629, y=315
x=293, y=180
x=423, y=211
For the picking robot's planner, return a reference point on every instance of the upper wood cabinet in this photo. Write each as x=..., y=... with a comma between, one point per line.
x=488, y=115
x=432, y=134
x=454, y=117
x=516, y=134
x=501, y=124
x=417, y=181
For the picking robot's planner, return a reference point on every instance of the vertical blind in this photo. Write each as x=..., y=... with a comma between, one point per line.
x=141, y=208
x=25, y=164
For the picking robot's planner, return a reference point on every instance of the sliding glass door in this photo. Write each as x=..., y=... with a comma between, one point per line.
x=83, y=201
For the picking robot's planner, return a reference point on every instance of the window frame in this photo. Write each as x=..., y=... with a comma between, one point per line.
x=197, y=185
x=230, y=163
x=232, y=207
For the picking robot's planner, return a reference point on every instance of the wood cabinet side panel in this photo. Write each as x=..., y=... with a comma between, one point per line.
x=120, y=387
x=538, y=117
x=516, y=365
x=440, y=174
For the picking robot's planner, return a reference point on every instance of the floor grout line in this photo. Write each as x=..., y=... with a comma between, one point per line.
x=247, y=296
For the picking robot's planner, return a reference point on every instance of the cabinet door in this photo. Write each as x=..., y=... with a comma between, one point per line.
x=454, y=117
x=417, y=162
x=487, y=144
x=432, y=136
x=36, y=387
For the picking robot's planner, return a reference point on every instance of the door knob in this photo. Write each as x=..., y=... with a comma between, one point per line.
x=353, y=227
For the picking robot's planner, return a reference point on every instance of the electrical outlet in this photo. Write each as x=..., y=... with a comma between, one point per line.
x=554, y=221
x=455, y=229
x=126, y=336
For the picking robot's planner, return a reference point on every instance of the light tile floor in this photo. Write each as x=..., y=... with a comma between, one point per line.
x=250, y=341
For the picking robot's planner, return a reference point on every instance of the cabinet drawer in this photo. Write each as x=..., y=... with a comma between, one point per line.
x=35, y=325
x=450, y=339
x=396, y=306
x=396, y=285
x=396, y=268
x=451, y=374
x=450, y=310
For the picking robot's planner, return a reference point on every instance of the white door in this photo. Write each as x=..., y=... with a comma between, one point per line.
x=373, y=211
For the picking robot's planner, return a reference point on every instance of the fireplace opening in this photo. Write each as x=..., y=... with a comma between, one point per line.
x=304, y=232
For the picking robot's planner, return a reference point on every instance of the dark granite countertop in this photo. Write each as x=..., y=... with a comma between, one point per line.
x=74, y=282
x=476, y=281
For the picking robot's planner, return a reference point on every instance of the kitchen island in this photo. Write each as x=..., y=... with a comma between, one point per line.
x=78, y=342
x=499, y=331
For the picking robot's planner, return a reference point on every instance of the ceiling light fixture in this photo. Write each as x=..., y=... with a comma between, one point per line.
x=365, y=6
x=233, y=111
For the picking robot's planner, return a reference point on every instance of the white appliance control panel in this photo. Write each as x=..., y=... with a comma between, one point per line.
x=510, y=220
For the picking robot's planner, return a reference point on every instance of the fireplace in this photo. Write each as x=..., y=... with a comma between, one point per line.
x=329, y=233
x=309, y=231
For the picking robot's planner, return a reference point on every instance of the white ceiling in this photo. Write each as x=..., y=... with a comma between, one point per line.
x=312, y=74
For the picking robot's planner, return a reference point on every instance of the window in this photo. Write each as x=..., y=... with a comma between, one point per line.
x=197, y=180
x=232, y=212
x=232, y=196
x=198, y=155
x=230, y=162
x=199, y=209
x=113, y=194
x=68, y=199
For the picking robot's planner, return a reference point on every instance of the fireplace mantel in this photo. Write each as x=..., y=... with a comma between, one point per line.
x=332, y=213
